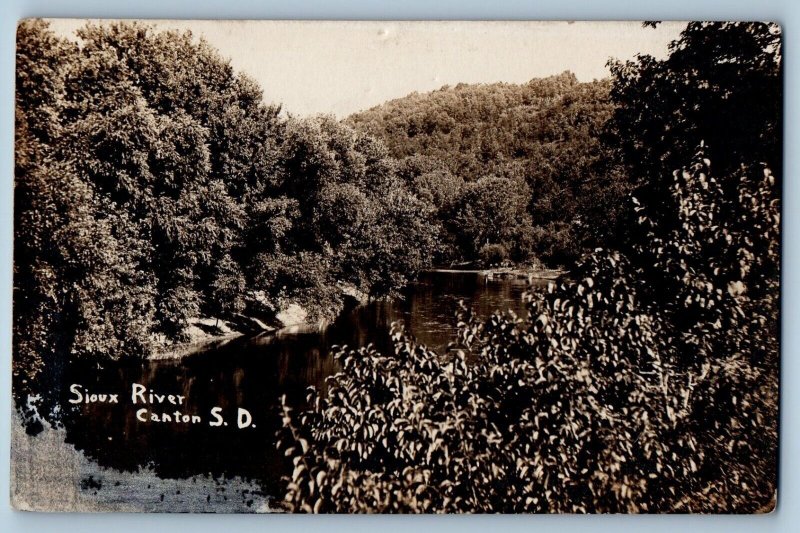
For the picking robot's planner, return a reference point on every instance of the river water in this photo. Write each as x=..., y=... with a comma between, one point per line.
x=251, y=373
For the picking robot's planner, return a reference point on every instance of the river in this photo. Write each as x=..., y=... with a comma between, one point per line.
x=252, y=373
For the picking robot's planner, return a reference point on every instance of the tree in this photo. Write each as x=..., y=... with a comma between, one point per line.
x=153, y=185
x=439, y=188
x=228, y=287
x=721, y=85
x=78, y=291
x=351, y=207
x=493, y=210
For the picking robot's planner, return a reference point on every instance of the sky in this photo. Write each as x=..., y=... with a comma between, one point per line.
x=341, y=67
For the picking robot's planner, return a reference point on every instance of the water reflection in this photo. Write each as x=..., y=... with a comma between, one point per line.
x=252, y=373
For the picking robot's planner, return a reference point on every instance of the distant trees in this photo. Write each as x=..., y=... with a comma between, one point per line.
x=439, y=188
x=493, y=211
x=543, y=135
x=582, y=147
x=340, y=199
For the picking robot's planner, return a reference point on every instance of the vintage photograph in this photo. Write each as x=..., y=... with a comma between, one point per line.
x=396, y=267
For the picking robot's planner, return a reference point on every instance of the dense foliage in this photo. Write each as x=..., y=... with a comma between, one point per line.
x=721, y=84
x=153, y=186
x=603, y=399
x=542, y=137
x=647, y=381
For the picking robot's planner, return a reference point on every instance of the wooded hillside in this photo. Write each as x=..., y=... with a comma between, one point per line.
x=544, y=136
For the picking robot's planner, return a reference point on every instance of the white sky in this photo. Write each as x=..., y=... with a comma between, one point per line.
x=342, y=67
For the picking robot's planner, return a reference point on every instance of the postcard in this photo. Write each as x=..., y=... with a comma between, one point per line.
x=396, y=267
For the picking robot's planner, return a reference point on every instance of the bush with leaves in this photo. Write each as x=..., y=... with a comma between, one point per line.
x=646, y=383
x=493, y=255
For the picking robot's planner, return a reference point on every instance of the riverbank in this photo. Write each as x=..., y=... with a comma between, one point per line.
x=210, y=331
x=249, y=371
x=508, y=273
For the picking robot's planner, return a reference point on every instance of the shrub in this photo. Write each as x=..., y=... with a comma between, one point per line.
x=646, y=383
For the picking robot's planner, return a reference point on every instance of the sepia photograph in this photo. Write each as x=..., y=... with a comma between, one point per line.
x=396, y=267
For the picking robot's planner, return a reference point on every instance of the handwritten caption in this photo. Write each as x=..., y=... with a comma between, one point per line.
x=151, y=406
